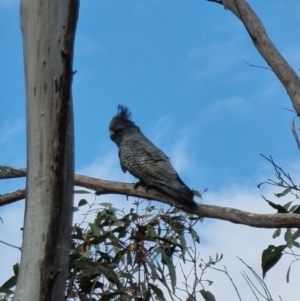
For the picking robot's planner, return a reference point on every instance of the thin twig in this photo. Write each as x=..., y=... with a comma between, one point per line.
x=10, y=245
x=227, y=274
x=256, y=66
x=261, y=282
x=295, y=132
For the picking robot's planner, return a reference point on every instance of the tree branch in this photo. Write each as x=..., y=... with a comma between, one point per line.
x=266, y=48
x=12, y=197
x=279, y=220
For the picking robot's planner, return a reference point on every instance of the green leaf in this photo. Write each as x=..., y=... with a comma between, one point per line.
x=288, y=237
x=76, y=236
x=276, y=233
x=108, y=296
x=295, y=209
x=78, y=232
x=146, y=215
x=296, y=244
x=134, y=217
x=284, y=192
x=98, y=240
x=158, y=292
x=207, y=295
x=154, y=273
x=150, y=208
x=5, y=291
x=82, y=192
x=11, y=282
x=82, y=202
x=159, y=268
x=95, y=229
x=121, y=230
x=279, y=208
x=151, y=232
x=113, y=209
x=16, y=269
x=129, y=258
x=119, y=255
x=288, y=274
x=86, y=255
x=144, y=292
x=126, y=275
x=106, y=204
x=183, y=245
x=170, y=266
x=137, y=268
x=287, y=205
x=195, y=236
x=84, y=265
x=74, y=209
x=74, y=256
x=270, y=257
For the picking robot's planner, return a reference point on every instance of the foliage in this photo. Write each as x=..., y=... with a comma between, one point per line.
x=138, y=254
x=134, y=255
x=272, y=254
x=6, y=288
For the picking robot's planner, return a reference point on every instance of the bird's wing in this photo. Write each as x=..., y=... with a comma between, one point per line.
x=150, y=165
x=145, y=161
x=124, y=169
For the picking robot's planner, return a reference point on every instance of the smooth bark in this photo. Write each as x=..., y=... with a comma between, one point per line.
x=48, y=29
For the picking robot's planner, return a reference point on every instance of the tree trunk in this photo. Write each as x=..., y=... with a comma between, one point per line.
x=48, y=28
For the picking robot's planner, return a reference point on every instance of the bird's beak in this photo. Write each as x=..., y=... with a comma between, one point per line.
x=112, y=135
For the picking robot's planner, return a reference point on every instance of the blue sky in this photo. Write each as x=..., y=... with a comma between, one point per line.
x=179, y=66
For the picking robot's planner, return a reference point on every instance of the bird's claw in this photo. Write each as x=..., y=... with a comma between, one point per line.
x=137, y=184
x=141, y=183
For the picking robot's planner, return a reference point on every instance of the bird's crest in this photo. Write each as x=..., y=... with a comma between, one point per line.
x=122, y=118
x=124, y=113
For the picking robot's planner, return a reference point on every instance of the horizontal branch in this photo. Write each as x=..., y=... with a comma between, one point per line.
x=278, y=220
x=12, y=197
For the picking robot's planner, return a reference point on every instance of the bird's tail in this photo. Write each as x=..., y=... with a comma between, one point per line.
x=181, y=192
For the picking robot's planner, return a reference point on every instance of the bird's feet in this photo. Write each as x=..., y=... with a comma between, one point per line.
x=141, y=183
x=137, y=184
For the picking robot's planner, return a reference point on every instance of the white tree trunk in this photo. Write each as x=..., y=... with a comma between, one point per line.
x=48, y=28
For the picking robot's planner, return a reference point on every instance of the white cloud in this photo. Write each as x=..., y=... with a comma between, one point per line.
x=212, y=60
x=10, y=232
x=225, y=107
x=179, y=152
x=245, y=242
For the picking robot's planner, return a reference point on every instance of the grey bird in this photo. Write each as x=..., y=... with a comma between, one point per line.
x=144, y=160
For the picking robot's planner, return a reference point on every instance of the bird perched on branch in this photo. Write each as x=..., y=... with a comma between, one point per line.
x=144, y=160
